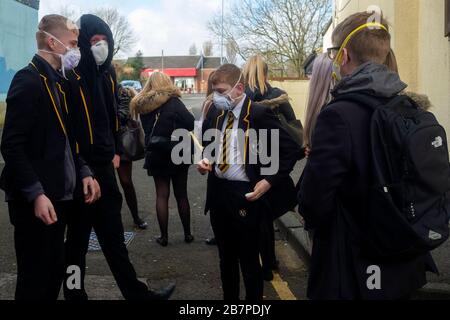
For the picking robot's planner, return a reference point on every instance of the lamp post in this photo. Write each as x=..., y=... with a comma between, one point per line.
x=221, y=47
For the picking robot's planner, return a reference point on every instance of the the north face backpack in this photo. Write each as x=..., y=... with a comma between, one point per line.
x=409, y=201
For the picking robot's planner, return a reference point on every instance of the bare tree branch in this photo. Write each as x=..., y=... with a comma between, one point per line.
x=124, y=36
x=285, y=32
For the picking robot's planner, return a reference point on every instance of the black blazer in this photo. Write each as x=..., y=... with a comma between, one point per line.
x=82, y=106
x=34, y=136
x=282, y=196
x=333, y=195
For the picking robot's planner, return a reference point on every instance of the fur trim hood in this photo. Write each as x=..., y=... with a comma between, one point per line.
x=275, y=102
x=421, y=99
x=150, y=101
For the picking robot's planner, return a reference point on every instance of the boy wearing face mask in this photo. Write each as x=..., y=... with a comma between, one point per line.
x=93, y=101
x=42, y=167
x=238, y=193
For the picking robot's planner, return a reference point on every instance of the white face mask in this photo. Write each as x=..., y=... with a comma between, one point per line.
x=69, y=60
x=224, y=101
x=100, y=50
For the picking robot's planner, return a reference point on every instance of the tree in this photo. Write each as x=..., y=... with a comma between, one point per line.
x=285, y=32
x=208, y=48
x=137, y=64
x=193, y=50
x=231, y=49
x=123, y=34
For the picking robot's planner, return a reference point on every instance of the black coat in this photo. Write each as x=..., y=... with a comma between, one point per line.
x=281, y=197
x=93, y=97
x=337, y=178
x=34, y=140
x=275, y=98
x=172, y=115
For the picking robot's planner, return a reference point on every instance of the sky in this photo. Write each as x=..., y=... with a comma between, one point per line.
x=169, y=25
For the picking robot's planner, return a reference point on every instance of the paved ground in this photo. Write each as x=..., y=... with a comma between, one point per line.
x=194, y=267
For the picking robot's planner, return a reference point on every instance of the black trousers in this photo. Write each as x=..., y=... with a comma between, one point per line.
x=39, y=251
x=236, y=223
x=267, y=243
x=105, y=218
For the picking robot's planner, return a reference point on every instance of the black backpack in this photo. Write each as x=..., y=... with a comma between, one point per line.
x=409, y=203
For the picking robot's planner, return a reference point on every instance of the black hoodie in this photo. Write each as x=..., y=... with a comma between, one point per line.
x=94, y=89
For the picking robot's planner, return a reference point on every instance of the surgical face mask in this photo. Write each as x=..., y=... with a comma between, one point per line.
x=225, y=101
x=69, y=60
x=100, y=50
x=338, y=60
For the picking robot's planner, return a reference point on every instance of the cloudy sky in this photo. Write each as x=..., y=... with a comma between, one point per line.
x=169, y=25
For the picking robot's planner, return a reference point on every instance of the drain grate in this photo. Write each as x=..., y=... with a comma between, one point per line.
x=95, y=246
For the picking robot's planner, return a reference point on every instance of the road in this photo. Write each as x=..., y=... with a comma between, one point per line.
x=194, y=267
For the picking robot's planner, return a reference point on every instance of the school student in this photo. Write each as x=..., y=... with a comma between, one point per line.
x=93, y=98
x=44, y=176
x=360, y=247
x=239, y=192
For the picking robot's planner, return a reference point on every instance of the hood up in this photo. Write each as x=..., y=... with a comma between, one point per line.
x=91, y=25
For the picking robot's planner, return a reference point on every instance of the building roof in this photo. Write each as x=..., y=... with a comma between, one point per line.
x=309, y=63
x=179, y=62
x=30, y=3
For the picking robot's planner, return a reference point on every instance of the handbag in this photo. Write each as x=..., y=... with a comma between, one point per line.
x=132, y=141
x=294, y=128
x=159, y=142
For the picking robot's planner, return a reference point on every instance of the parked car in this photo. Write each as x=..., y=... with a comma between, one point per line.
x=136, y=85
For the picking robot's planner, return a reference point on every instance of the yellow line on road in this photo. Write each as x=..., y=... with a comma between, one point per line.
x=282, y=287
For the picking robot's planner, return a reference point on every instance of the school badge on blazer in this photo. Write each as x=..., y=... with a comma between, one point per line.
x=243, y=213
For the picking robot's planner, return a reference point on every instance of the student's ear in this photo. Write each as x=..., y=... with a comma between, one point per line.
x=345, y=57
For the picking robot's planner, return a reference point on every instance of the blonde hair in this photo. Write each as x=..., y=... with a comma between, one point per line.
x=255, y=74
x=320, y=87
x=53, y=24
x=160, y=82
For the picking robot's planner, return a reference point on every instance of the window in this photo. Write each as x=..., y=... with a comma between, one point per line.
x=447, y=18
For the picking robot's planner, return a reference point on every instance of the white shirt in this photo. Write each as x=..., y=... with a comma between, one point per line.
x=236, y=171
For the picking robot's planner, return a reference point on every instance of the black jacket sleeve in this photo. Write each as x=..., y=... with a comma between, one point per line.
x=185, y=119
x=288, y=149
x=112, y=78
x=327, y=167
x=21, y=114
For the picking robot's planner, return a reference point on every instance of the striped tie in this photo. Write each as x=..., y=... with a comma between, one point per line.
x=224, y=165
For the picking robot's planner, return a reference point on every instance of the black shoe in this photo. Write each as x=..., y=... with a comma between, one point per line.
x=162, y=241
x=161, y=294
x=188, y=238
x=267, y=275
x=211, y=242
x=276, y=265
x=141, y=224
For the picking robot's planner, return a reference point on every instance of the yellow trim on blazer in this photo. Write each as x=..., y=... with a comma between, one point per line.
x=246, y=131
x=64, y=96
x=91, y=136
x=51, y=98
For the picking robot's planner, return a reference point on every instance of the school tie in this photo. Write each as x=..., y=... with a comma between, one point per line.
x=224, y=163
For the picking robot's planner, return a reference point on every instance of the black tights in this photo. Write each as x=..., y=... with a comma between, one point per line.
x=125, y=176
x=179, y=183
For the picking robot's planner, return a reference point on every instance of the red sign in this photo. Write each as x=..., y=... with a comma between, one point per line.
x=172, y=72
